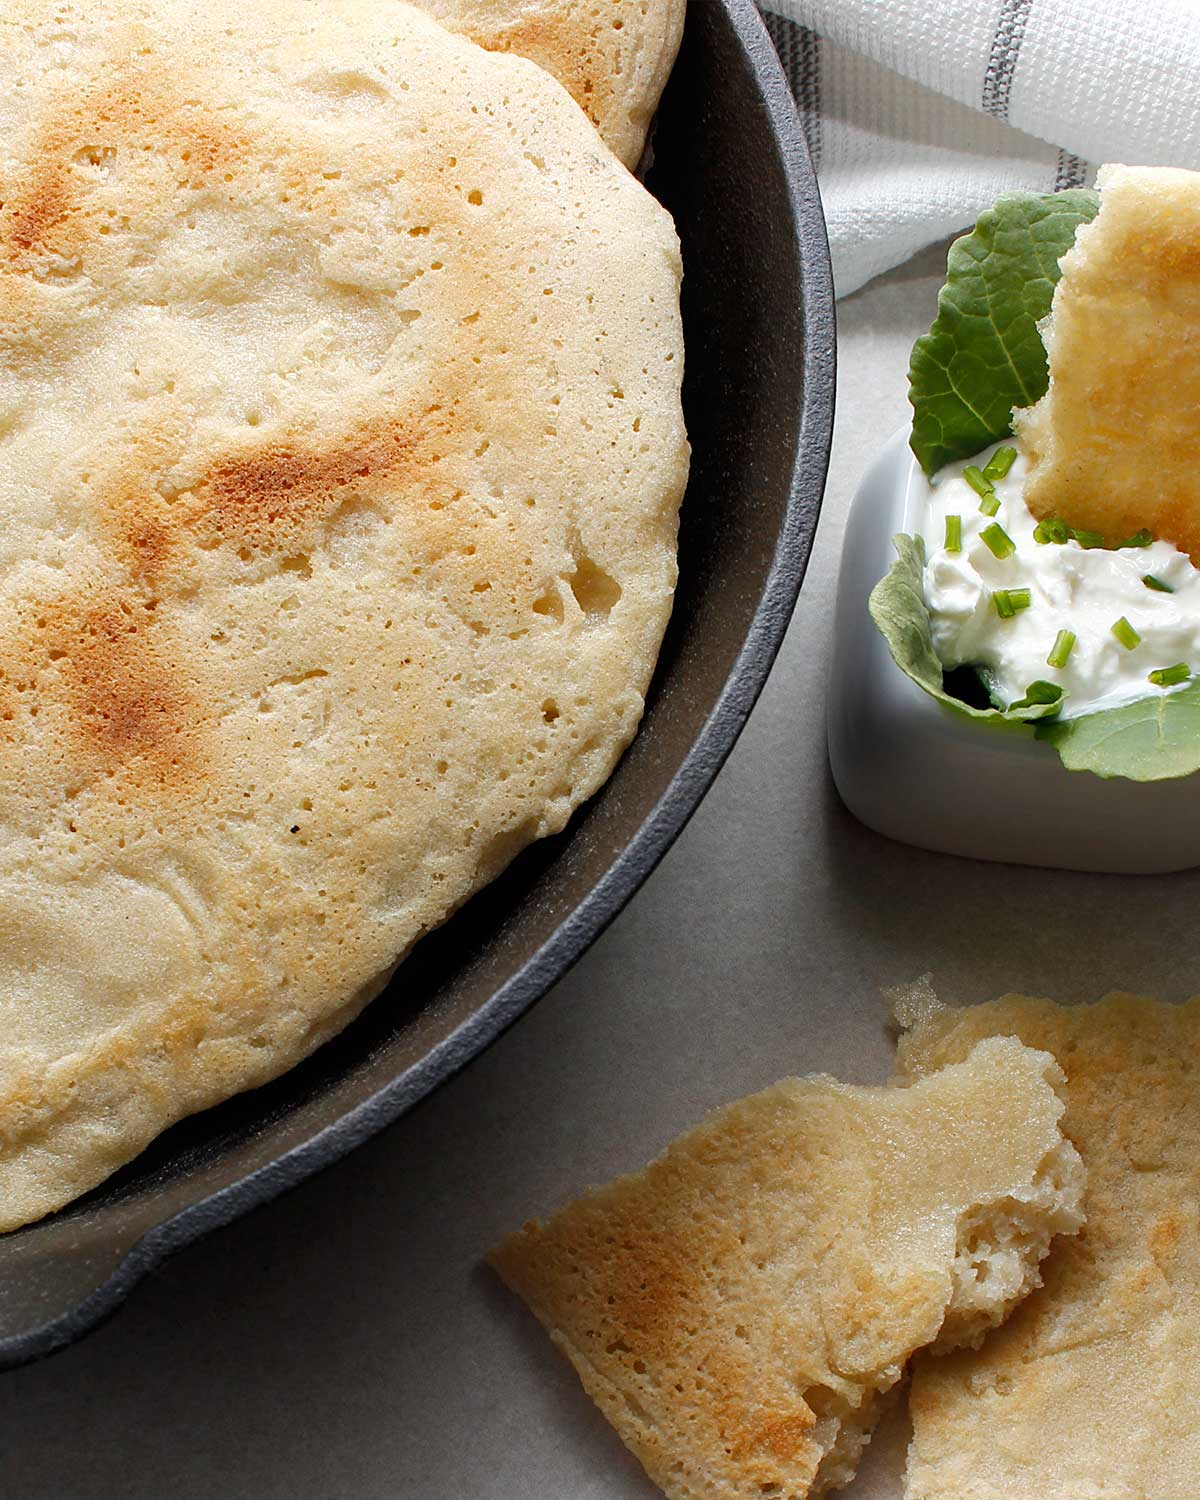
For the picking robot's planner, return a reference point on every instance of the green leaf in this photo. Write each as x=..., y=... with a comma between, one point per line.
x=898, y=608
x=984, y=355
x=1153, y=739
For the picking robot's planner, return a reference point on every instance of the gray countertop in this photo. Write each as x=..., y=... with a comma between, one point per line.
x=345, y=1341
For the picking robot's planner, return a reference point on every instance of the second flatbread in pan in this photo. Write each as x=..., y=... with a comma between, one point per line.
x=342, y=451
x=613, y=56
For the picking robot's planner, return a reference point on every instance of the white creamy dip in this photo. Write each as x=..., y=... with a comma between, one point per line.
x=1083, y=590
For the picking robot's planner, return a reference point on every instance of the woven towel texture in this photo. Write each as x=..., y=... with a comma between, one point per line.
x=919, y=115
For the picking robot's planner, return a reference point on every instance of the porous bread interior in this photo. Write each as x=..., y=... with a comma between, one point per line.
x=1000, y=1248
x=844, y=1432
x=740, y=1308
x=1089, y=1389
x=1111, y=445
x=1002, y=1244
x=613, y=56
x=342, y=452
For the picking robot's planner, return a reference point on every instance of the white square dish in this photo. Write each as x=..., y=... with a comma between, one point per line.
x=915, y=770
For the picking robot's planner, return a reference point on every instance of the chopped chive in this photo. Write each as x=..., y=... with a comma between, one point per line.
x=1126, y=634
x=997, y=541
x=990, y=504
x=1060, y=652
x=1051, y=530
x=1086, y=538
x=953, y=533
x=1141, y=538
x=999, y=464
x=1170, y=676
x=1157, y=584
x=1039, y=692
x=974, y=476
x=1009, y=601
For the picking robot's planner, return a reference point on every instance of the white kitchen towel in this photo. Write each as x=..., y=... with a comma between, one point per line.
x=919, y=113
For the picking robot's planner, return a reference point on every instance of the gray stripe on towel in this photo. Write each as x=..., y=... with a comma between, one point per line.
x=1072, y=171
x=1002, y=59
x=800, y=53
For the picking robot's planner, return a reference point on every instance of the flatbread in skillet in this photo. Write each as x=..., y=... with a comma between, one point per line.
x=341, y=453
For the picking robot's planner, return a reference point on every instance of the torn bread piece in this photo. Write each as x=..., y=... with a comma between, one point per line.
x=1112, y=444
x=741, y=1308
x=1090, y=1389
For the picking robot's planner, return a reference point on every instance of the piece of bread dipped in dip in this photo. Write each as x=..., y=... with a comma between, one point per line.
x=1112, y=445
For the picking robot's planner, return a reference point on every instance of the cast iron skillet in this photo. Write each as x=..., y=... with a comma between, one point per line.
x=731, y=165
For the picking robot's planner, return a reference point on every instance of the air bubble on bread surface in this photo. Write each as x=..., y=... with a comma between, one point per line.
x=596, y=591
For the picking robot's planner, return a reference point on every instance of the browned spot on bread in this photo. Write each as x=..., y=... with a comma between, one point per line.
x=93, y=679
x=651, y=1285
x=650, y=1308
x=128, y=697
x=149, y=543
x=10, y=707
x=784, y=1436
x=133, y=501
x=89, y=131
x=138, y=109
x=35, y=214
x=269, y=496
x=272, y=495
x=1168, y=1233
x=1169, y=256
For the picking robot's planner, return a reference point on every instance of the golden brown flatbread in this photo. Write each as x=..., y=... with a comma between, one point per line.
x=1089, y=1391
x=741, y=1308
x=340, y=456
